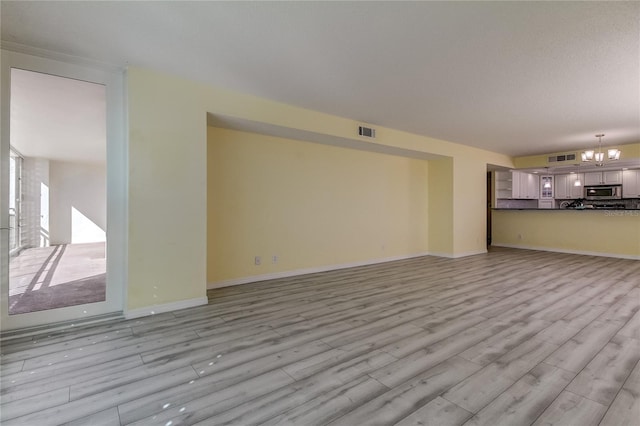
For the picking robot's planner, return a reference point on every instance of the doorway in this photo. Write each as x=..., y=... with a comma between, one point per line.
x=63, y=155
x=489, y=207
x=57, y=198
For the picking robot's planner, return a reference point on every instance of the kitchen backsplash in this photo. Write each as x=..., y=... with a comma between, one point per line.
x=516, y=204
x=533, y=204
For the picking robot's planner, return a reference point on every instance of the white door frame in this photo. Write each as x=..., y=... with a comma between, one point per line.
x=117, y=183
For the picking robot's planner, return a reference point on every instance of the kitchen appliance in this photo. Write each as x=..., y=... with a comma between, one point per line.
x=603, y=192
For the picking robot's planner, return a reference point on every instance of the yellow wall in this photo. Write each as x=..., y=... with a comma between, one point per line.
x=167, y=191
x=168, y=178
x=441, y=213
x=615, y=232
x=470, y=210
x=312, y=205
x=627, y=152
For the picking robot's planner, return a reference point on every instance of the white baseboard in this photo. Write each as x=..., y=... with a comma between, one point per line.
x=458, y=255
x=7, y=335
x=559, y=250
x=287, y=274
x=305, y=271
x=167, y=307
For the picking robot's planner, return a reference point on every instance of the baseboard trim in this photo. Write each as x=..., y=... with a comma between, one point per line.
x=167, y=307
x=458, y=255
x=305, y=271
x=10, y=334
x=558, y=250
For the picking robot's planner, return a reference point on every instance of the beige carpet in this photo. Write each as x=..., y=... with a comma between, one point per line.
x=56, y=277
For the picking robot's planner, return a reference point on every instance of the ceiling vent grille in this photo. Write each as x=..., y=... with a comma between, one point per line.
x=560, y=158
x=367, y=132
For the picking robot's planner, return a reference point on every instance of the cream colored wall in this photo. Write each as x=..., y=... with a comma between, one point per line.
x=311, y=205
x=627, y=152
x=441, y=206
x=470, y=212
x=168, y=175
x=614, y=233
x=167, y=190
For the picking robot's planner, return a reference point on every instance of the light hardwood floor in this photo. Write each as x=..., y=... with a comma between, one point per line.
x=513, y=337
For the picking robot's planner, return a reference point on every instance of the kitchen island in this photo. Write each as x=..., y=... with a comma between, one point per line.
x=613, y=233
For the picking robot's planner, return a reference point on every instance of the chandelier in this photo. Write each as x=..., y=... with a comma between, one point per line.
x=591, y=155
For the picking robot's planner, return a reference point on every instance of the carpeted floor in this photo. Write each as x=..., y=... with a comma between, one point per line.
x=56, y=277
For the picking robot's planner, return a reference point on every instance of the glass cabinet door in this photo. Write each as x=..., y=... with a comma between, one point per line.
x=546, y=186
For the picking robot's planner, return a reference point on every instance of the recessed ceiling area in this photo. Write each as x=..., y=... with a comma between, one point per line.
x=57, y=118
x=519, y=78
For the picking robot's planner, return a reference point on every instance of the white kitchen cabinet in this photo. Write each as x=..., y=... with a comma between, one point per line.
x=517, y=185
x=503, y=185
x=546, y=187
x=612, y=177
x=608, y=177
x=576, y=185
x=533, y=186
x=527, y=184
x=631, y=184
x=566, y=188
x=593, y=178
x=561, y=187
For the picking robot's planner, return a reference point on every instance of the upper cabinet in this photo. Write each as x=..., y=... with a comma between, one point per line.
x=631, y=184
x=517, y=185
x=569, y=186
x=530, y=186
x=609, y=177
x=546, y=187
x=503, y=185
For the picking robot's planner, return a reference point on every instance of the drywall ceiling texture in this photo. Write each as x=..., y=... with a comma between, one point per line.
x=517, y=78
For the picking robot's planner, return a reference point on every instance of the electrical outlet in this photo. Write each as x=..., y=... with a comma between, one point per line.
x=274, y=259
x=258, y=260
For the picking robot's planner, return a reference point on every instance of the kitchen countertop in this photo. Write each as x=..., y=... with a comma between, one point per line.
x=567, y=210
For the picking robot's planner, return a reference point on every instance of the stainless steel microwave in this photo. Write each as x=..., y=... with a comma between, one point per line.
x=603, y=192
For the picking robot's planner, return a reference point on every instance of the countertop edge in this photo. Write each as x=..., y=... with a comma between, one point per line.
x=566, y=210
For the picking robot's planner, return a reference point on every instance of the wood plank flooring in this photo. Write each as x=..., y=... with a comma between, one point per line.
x=513, y=337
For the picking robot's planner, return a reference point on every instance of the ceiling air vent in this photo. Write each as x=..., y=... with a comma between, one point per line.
x=560, y=158
x=367, y=132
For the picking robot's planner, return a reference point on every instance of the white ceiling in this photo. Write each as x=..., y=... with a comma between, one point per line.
x=513, y=77
x=58, y=118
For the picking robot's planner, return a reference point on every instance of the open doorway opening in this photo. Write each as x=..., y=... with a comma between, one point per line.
x=57, y=206
x=489, y=207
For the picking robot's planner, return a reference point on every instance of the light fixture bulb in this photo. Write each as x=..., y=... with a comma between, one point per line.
x=613, y=154
x=588, y=155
